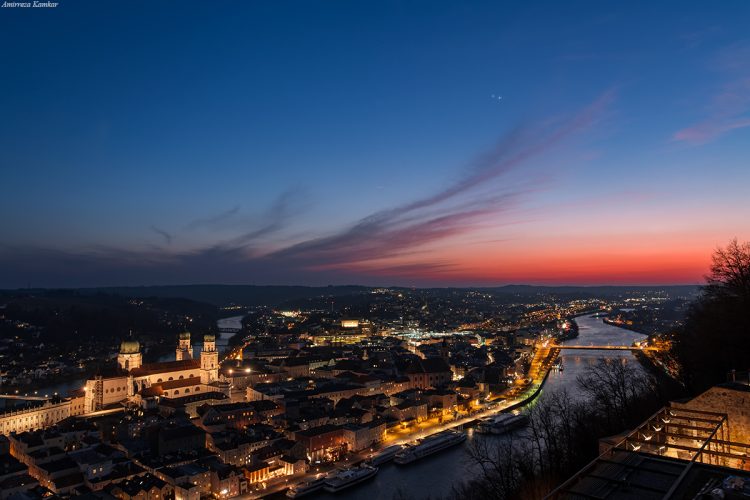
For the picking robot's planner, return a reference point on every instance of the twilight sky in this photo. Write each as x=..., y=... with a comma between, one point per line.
x=379, y=143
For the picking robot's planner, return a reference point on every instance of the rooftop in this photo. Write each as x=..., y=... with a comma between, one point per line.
x=166, y=366
x=317, y=431
x=661, y=459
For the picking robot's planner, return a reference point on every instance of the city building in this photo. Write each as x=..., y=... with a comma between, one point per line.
x=184, y=349
x=35, y=415
x=429, y=373
x=173, y=379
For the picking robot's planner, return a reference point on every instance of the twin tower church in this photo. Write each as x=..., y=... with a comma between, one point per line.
x=140, y=383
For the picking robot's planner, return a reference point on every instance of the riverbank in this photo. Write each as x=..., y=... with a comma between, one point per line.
x=530, y=399
x=436, y=475
x=675, y=388
x=624, y=326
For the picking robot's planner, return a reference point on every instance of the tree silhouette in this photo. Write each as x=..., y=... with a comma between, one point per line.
x=730, y=273
x=716, y=336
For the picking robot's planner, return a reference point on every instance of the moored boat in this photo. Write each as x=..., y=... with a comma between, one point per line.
x=305, y=488
x=349, y=477
x=428, y=446
x=386, y=454
x=502, y=423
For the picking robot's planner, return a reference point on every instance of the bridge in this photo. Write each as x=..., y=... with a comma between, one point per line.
x=605, y=347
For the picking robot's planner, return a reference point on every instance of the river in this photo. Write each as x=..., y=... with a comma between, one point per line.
x=434, y=476
x=230, y=323
x=591, y=331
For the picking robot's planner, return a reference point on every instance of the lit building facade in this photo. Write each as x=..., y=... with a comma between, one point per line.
x=35, y=416
x=184, y=349
x=182, y=377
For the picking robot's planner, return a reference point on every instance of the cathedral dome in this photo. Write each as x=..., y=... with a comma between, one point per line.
x=185, y=336
x=209, y=338
x=130, y=347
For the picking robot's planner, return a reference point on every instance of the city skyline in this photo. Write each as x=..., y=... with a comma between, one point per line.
x=426, y=144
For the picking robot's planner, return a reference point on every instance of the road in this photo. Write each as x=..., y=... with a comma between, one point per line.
x=541, y=364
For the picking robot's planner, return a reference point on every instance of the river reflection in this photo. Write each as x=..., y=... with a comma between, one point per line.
x=591, y=331
x=434, y=476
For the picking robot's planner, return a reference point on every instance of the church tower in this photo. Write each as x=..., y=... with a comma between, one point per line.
x=209, y=360
x=445, y=351
x=184, y=349
x=129, y=356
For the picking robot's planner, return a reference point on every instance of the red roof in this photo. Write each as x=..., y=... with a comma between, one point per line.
x=165, y=367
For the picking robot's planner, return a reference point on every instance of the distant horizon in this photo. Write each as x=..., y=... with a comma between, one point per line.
x=415, y=144
x=353, y=285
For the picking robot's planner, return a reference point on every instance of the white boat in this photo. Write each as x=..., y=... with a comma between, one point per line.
x=501, y=423
x=428, y=446
x=386, y=454
x=349, y=477
x=305, y=488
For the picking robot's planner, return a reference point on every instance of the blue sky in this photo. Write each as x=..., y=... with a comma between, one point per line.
x=164, y=142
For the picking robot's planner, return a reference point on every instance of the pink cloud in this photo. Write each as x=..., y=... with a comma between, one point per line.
x=729, y=108
x=709, y=130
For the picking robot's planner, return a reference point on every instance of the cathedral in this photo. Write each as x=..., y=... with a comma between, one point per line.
x=137, y=383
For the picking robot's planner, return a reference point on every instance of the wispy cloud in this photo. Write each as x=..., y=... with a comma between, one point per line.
x=455, y=210
x=729, y=107
x=285, y=206
x=393, y=242
x=729, y=110
x=167, y=237
x=385, y=236
x=710, y=130
x=254, y=226
x=216, y=221
x=695, y=38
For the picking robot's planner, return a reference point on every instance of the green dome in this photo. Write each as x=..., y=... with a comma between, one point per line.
x=209, y=338
x=130, y=347
x=185, y=336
